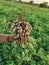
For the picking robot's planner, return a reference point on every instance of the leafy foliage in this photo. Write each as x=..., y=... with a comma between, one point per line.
x=36, y=51
x=44, y=4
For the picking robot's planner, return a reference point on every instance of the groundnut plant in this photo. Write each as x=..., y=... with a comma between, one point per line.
x=21, y=29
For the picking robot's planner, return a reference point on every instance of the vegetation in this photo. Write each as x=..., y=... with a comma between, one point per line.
x=31, y=2
x=34, y=52
x=44, y=4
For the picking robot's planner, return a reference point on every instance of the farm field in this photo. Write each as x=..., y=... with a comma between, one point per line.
x=34, y=52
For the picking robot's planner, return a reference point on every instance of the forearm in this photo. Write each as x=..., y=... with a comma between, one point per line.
x=6, y=38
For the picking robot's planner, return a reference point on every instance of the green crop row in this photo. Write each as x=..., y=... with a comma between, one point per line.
x=34, y=52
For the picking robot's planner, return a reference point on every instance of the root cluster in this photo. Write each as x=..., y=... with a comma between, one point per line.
x=21, y=30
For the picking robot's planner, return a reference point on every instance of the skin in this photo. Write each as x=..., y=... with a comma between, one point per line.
x=6, y=38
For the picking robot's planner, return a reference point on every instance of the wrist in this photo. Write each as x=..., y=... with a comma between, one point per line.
x=9, y=38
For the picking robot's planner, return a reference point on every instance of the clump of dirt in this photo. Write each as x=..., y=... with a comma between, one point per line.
x=21, y=29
